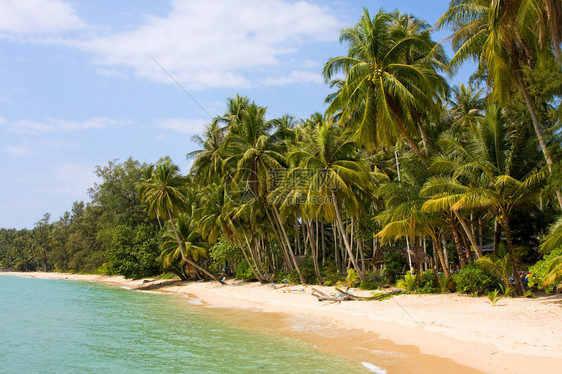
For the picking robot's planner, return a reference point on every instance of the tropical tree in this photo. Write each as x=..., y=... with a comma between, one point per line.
x=333, y=177
x=499, y=35
x=164, y=195
x=391, y=79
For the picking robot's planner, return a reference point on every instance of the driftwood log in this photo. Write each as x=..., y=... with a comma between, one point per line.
x=155, y=284
x=346, y=296
x=323, y=297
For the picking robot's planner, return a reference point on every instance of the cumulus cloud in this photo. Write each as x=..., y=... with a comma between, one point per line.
x=19, y=17
x=295, y=77
x=215, y=44
x=51, y=125
x=19, y=151
x=181, y=125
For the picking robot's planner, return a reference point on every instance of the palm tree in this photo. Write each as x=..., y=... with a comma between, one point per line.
x=208, y=162
x=485, y=173
x=333, y=177
x=194, y=245
x=391, y=79
x=554, y=238
x=495, y=34
x=163, y=194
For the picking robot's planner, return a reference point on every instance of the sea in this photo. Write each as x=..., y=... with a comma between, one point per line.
x=64, y=326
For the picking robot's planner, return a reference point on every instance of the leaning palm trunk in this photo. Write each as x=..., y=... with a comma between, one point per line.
x=265, y=277
x=537, y=128
x=254, y=272
x=346, y=242
x=470, y=235
x=289, y=248
x=184, y=257
x=288, y=263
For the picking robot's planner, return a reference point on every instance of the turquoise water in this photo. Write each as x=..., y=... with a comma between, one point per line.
x=60, y=326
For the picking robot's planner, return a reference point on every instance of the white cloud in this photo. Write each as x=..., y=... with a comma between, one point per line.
x=27, y=126
x=295, y=77
x=215, y=44
x=182, y=125
x=19, y=151
x=24, y=17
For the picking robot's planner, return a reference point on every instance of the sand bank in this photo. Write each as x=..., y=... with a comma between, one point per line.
x=516, y=336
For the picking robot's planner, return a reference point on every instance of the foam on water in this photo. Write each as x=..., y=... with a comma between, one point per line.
x=373, y=368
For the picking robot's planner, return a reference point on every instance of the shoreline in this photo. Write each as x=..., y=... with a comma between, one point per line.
x=516, y=336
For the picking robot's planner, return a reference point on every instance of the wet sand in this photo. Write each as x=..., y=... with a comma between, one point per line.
x=414, y=333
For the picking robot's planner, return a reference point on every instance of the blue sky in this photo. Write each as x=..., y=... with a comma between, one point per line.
x=78, y=87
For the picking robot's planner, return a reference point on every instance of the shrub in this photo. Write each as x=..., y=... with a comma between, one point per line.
x=331, y=274
x=446, y=283
x=243, y=271
x=394, y=263
x=540, y=270
x=133, y=252
x=409, y=283
x=429, y=283
x=473, y=279
x=373, y=281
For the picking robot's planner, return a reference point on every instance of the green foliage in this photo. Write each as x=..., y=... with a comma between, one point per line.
x=409, y=283
x=373, y=281
x=394, y=263
x=331, y=274
x=429, y=282
x=506, y=291
x=243, y=271
x=352, y=279
x=224, y=252
x=473, y=279
x=541, y=272
x=134, y=253
x=494, y=296
x=446, y=283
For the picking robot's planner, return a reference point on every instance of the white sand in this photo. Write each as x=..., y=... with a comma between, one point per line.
x=516, y=336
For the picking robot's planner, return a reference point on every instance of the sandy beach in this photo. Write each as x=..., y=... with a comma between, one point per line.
x=516, y=336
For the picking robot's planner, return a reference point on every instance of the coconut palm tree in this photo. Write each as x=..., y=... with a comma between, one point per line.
x=391, y=79
x=499, y=34
x=332, y=175
x=208, y=162
x=195, y=247
x=165, y=197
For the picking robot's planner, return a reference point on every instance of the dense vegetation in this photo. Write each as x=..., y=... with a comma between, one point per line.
x=401, y=173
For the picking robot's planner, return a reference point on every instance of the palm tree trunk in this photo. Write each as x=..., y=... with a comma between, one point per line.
x=314, y=250
x=336, y=252
x=497, y=235
x=537, y=128
x=458, y=245
x=346, y=242
x=254, y=272
x=469, y=234
x=281, y=241
x=437, y=247
x=263, y=274
x=289, y=248
x=520, y=290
